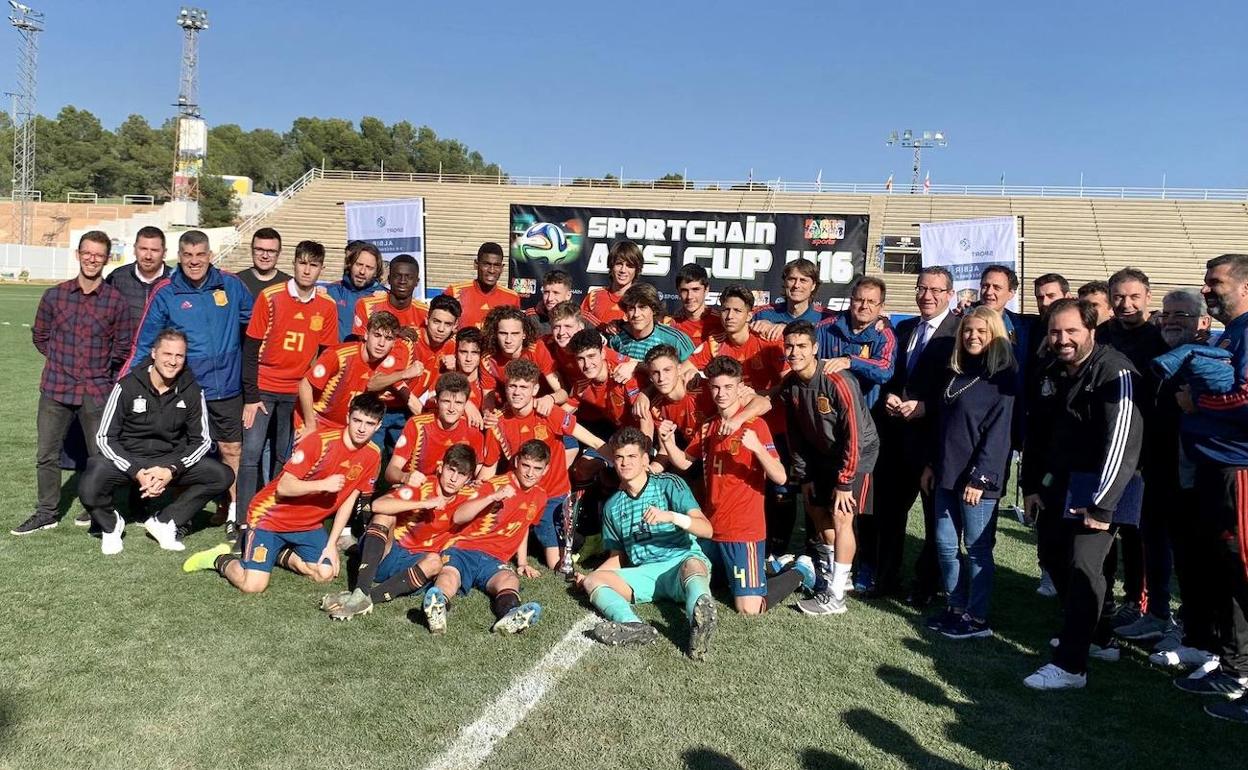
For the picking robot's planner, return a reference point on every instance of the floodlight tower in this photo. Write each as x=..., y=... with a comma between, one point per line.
x=920, y=141
x=29, y=23
x=189, y=153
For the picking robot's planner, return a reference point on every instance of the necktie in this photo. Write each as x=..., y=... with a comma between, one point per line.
x=919, y=344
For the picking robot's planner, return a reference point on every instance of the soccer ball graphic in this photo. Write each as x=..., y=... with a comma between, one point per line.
x=547, y=242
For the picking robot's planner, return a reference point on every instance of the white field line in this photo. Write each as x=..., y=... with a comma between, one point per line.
x=476, y=742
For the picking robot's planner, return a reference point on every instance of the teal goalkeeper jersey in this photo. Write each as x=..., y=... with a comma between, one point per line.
x=624, y=529
x=628, y=345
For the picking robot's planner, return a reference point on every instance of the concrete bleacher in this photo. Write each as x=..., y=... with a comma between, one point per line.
x=1082, y=238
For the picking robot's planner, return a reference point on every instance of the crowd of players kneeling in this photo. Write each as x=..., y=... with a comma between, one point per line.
x=672, y=452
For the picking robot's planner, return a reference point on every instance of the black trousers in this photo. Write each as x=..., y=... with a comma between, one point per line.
x=1083, y=622
x=1223, y=494
x=894, y=498
x=1053, y=535
x=1192, y=571
x=203, y=481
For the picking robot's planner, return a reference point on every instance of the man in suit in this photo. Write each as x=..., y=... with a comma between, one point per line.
x=924, y=346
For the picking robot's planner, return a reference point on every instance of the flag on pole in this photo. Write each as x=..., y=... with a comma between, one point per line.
x=888, y=183
x=927, y=183
x=819, y=177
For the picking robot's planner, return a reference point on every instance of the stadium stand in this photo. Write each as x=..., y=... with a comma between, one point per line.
x=1083, y=238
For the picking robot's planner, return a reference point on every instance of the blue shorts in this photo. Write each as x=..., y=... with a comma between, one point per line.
x=570, y=443
x=475, y=568
x=263, y=546
x=544, y=528
x=398, y=560
x=387, y=435
x=741, y=564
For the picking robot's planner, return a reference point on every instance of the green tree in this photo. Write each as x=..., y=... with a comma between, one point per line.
x=218, y=206
x=672, y=181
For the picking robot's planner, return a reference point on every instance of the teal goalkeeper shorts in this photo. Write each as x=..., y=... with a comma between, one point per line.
x=660, y=579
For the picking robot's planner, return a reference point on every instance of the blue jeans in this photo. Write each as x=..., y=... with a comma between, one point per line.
x=275, y=427
x=967, y=578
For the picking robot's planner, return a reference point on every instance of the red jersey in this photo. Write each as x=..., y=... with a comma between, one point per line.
x=688, y=412
x=424, y=441
x=601, y=306
x=427, y=531
x=697, y=329
x=537, y=353
x=413, y=316
x=763, y=363
x=425, y=352
x=565, y=362
x=610, y=400
x=342, y=373
x=290, y=333
x=477, y=303
x=512, y=430
x=735, y=480
x=318, y=456
x=501, y=528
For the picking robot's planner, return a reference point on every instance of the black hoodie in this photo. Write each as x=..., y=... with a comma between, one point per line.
x=142, y=428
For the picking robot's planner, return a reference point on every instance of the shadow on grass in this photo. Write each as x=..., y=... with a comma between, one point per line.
x=891, y=738
x=703, y=758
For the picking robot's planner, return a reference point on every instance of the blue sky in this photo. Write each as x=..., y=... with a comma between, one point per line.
x=1123, y=92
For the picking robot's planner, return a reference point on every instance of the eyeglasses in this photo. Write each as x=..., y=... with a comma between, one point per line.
x=919, y=291
x=865, y=302
x=92, y=255
x=1178, y=315
x=265, y=252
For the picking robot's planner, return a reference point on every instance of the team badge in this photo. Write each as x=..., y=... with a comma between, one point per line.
x=317, y=323
x=354, y=472
x=823, y=405
x=139, y=406
x=221, y=298
x=540, y=433
x=260, y=554
x=734, y=446
x=1047, y=388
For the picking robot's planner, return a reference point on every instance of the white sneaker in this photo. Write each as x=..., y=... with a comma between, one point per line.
x=1046, y=589
x=165, y=533
x=1051, y=677
x=1182, y=657
x=1110, y=652
x=110, y=542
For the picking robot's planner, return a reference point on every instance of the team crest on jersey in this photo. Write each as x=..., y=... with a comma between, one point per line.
x=221, y=298
x=540, y=433
x=1047, y=388
x=354, y=471
x=317, y=323
x=822, y=404
x=734, y=446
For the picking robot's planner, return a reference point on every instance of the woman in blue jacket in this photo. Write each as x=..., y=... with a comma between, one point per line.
x=972, y=437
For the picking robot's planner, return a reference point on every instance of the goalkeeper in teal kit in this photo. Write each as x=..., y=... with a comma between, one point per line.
x=653, y=521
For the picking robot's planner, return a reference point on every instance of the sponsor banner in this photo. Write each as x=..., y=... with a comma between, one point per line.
x=394, y=226
x=737, y=247
x=965, y=247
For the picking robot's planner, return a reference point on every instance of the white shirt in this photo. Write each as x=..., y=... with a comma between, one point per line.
x=932, y=326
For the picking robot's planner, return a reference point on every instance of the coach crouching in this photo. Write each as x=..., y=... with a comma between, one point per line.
x=154, y=433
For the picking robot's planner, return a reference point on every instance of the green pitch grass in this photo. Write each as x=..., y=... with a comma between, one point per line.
x=128, y=662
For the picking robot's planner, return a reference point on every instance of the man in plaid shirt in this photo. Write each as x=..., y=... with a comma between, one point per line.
x=83, y=329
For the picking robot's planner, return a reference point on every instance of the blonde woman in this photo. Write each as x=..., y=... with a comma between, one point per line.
x=972, y=434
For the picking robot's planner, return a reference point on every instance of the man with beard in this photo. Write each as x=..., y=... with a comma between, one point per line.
x=1215, y=435
x=1085, y=441
x=361, y=277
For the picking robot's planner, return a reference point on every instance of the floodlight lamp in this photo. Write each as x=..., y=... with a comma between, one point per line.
x=927, y=135
x=907, y=135
x=892, y=137
x=940, y=136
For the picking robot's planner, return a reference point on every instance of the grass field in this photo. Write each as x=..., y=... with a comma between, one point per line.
x=128, y=662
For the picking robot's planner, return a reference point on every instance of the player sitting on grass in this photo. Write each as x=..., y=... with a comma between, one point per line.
x=738, y=457
x=423, y=511
x=494, y=528
x=652, y=520
x=328, y=469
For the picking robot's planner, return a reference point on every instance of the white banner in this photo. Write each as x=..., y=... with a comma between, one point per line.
x=394, y=227
x=965, y=247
